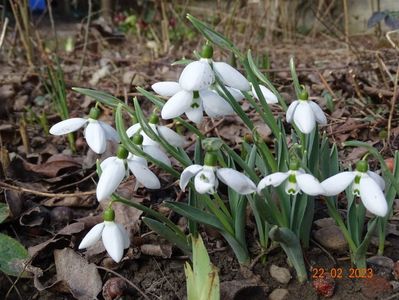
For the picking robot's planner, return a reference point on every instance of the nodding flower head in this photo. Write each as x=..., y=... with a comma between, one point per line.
x=96, y=132
x=367, y=185
x=206, y=177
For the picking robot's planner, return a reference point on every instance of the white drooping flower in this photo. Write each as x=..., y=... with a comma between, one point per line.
x=193, y=103
x=115, y=168
x=152, y=147
x=113, y=235
x=267, y=94
x=206, y=178
x=296, y=180
x=367, y=185
x=96, y=132
x=194, y=93
x=305, y=113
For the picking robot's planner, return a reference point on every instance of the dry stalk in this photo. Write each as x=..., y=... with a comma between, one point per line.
x=21, y=15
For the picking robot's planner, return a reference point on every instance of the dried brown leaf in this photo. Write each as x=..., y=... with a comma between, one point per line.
x=82, y=279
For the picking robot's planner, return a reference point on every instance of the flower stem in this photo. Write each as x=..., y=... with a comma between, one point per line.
x=221, y=205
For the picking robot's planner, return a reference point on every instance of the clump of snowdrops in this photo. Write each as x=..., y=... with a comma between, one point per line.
x=280, y=181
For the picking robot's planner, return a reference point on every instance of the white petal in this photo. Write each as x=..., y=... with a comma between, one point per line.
x=195, y=114
x=166, y=88
x=171, y=136
x=67, y=126
x=372, y=196
x=95, y=137
x=205, y=181
x=377, y=178
x=236, y=180
x=107, y=162
x=231, y=76
x=237, y=95
x=177, y=105
x=133, y=129
x=336, y=184
x=196, y=76
x=147, y=140
x=137, y=159
x=144, y=175
x=267, y=94
x=157, y=153
x=214, y=105
x=309, y=184
x=110, y=132
x=113, y=241
x=304, y=117
x=274, y=179
x=110, y=179
x=92, y=236
x=125, y=235
x=291, y=111
x=318, y=113
x=187, y=174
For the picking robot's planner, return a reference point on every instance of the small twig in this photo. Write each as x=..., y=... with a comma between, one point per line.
x=86, y=39
x=125, y=279
x=50, y=13
x=388, y=36
x=44, y=194
x=12, y=287
x=3, y=32
x=325, y=251
x=393, y=105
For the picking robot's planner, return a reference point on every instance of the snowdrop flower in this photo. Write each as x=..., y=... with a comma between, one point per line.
x=200, y=73
x=267, y=94
x=367, y=185
x=152, y=147
x=114, y=236
x=166, y=133
x=296, y=180
x=206, y=177
x=193, y=103
x=193, y=94
x=96, y=132
x=305, y=113
x=114, y=170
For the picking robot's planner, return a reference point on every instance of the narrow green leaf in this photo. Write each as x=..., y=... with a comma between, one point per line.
x=195, y=214
x=213, y=36
x=168, y=234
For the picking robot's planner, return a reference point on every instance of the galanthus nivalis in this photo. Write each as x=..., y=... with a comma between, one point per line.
x=194, y=93
x=96, y=132
x=296, y=180
x=114, y=170
x=305, y=113
x=193, y=103
x=166, y=133
x=114, y=236
x=367, y=185
x=206, y=177
x=266, y=93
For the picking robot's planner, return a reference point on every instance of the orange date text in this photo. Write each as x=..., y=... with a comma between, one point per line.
x=341, y=273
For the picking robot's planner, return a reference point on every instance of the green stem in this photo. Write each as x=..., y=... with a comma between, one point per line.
x=221, y=205
x=149, y=211
x=220, y=215
x=338, y=219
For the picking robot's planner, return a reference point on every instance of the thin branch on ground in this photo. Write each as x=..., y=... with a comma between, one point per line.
x=126, y=280
x=44, y=194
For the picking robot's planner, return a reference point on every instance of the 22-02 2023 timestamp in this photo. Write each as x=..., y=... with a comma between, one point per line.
x=341, y=273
